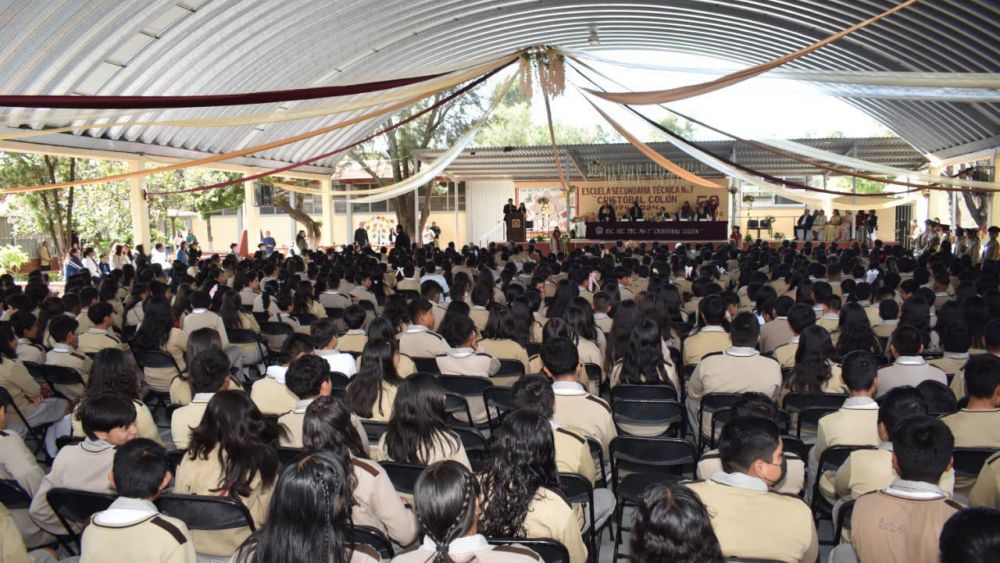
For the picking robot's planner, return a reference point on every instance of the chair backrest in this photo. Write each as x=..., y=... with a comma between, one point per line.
x=63, y=441
x=339, y=380
x=593, y=371
x=797, y=402
x=476, y=445
x=498, y=399
x=260, y=317
x=77, y=506
x=403, y=475
x=795, y=445
x=576, y=488
x=334, y=312
x=200, y=512
x=174, y=458
x=372, y=537
x=533, y=348
x=510, y=368
x=655, y=455
x=305, y=319
x=426, y=365
x=643, y=392
x=968, y=462
x=465, y=385
x=454, y=405
x=652, y=412
x=12, y=495
x=154, y=359
x=275, y=328
x=374, y=429
x=844, y=514
x=811, y=416
x=550, y=551
x=835, y=456
x=241, y=336
x=62, y=375
x=291, y=456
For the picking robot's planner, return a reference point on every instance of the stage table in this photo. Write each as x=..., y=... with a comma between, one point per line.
x=674, y=231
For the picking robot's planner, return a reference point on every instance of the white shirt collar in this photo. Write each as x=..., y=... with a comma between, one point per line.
x=601, y=316
x=202, y=397
x=24, y=341
x=461, y=352
x=917, y=490
x=890, y=322
x=741, y=351
x=956, y=355
x=712, y=328
x=910, y=361
x=860, y=403
x=198, y=310
x=460, y=546
x=125, y=511
x=93, y=330
x=568, y=388
x=794, y=340
x=276, y=373
x=354, y=331
x=831, y=316
x=302, y=404
x=60, y=347
x=415, y=328
x=95, y=446
x=740, y=481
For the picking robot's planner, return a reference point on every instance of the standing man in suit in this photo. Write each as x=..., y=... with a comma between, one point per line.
x=607, y=213
x=635, y=212
x=508, y=209
x=361, y=237
x=402, y=239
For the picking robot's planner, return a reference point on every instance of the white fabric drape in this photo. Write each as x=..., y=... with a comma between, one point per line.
x=858, y=164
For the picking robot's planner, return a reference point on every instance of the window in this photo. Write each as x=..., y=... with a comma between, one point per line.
x=443, y=196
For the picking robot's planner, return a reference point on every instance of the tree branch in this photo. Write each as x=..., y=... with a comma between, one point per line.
x=364, y=166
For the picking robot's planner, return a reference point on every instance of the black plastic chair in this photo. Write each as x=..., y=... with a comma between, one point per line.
x=578, y=490
x=174, y=458
x=968, y=462
x=712, y=404
x=305, y=319
x=830, y=460
x=643, y=392
x=206, y=513
x=498, y=402
x=63, y=441
x=339, y=380
x=275, y=331
x=374, y=429
x=334, y=312
x=372, y=537
x=454, y=405
x=238, y=336
x=12, y=495
x=426, y=365
x=61, y=375
x=36, y=433
x=476, y=445
x=594, y=372
x=291, y=456
x=811, y=408
x=649, y=461
x=74, y=509
x=403, y=475
x=844, y=514
x=597, y=452
x=260, y=316
x=510, y=368
x=155, y=359
x=533, y=348
x=795, y=446
x=408, y=294
x=666, y=413
x=550, y=551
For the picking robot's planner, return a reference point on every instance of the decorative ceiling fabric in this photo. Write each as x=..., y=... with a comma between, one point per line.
x=197, y=47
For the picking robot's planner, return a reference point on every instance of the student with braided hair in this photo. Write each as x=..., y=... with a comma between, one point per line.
x=308, y=517
x=447, y=502
x=521, y=496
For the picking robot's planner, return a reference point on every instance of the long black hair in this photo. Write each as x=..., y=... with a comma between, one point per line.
x=565, y=292
x=855, y=332
x=309, y=515
x=417, y=424
x=378, y=366
x=157, y=321
x=627, y=315
x=444, y=500
x=672, y=524
x=643, y=360
x=327, y=426
x=813, y=357
x=522, y=459
x=580, y=315
x=229, y=308
x=501, y=325
x=233, y=423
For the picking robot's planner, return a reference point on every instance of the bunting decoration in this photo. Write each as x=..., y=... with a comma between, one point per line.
x=684, y=92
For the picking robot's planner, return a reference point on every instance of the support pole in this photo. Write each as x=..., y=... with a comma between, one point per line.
x=138, y=206
x=326, y=187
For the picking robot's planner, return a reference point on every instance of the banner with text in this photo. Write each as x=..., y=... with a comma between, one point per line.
x=652, y=195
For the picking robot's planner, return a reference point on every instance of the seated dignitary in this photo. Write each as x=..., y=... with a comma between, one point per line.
x=750, y=521
x=132, y=529
x=740, y=368
x=671, y=524
x=446, y=498
x=909, y=367
x=903, y=521
x=520, y=484
x=309, y=517
x=329, y=425
x=759, y=405
x=108, y=421
x=870, y=470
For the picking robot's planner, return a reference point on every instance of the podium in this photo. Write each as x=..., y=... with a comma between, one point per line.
x=515, y=227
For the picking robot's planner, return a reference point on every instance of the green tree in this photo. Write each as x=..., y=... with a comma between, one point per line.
x=864, y=186
x=438, y=128
x=682, y=127
x=209, y=202
x=512, y=126
x=163, y=223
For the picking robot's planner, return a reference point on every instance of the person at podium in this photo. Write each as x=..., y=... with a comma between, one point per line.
x=635, y=212
x=607, y=213
x=508, y=209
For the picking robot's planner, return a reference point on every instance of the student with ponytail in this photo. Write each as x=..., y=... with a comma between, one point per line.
x=446, y=499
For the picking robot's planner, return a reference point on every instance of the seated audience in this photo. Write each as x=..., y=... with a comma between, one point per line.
x=909, y=368
x=371, y=392
x=800, y=317
x=307, y=378
x=970, y=536
x=417, y=433
x=209, y=375
x=324, y=333
x=270, y=393
x=62, y=330
x=672, y=524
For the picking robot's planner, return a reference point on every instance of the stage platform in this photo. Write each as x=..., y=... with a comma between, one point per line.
x=580, y=243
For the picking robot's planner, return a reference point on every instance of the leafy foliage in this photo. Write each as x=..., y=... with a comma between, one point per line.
x=12, y=257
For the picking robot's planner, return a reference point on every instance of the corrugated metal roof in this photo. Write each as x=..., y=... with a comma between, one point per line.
x=169, y=47
x=580, y=161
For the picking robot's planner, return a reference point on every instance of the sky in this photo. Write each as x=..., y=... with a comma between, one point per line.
x=762, y=107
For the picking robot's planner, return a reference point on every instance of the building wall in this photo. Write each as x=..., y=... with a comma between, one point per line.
x=786, y=216
x=486, y=198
